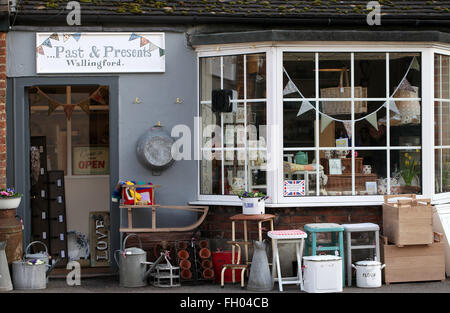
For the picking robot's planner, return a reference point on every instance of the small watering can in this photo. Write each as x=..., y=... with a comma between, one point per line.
x=132, y=264
x=5, y=278
x=44, y=256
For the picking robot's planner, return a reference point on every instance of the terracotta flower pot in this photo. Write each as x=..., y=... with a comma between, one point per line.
x=183, y=254
x=205, y=253
x=185, y=264
x=208, y=273
x=182, y=245
x=207, y=263
x=203, y=244
x=186, y=274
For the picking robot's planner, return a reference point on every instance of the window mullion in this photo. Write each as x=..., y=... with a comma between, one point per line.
x=352, y=94
x=246, y=174
x=222, y=133
x=317, y=130
x=388, y=127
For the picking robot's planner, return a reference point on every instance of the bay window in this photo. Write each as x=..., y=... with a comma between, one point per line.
x=318, y=124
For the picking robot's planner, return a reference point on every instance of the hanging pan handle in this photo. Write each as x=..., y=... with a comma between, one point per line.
x=130, y=235
x=34, y=242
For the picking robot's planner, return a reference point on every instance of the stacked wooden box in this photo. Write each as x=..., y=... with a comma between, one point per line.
x=409, y=248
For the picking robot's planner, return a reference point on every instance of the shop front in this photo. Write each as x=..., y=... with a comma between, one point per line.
x=325, y=129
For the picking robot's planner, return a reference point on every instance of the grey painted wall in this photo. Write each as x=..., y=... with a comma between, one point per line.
x=158, y=93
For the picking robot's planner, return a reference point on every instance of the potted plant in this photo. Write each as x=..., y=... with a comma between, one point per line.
x=253, y=202
x=409, y=170
x=9, y=198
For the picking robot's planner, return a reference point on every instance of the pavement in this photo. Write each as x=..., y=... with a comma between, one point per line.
x=110, y=284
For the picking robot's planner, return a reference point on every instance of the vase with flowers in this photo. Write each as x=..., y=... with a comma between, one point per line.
x=253, y=202
x=9, y=198
x=409, y=170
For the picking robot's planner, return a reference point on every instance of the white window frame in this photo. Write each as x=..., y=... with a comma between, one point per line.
x=274, y=57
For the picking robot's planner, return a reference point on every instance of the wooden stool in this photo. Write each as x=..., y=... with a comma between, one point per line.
x=234, y=266
x=337, y=245
x=260, y=218
x=296, y=237
x=360, y=227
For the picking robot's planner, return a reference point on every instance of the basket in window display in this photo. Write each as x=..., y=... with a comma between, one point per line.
x=409, y=109
x=343, y=107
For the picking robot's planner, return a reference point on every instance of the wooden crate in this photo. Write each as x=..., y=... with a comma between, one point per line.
x=409, y=221
x=413, y=263
x=344, y=182
x=346, y=164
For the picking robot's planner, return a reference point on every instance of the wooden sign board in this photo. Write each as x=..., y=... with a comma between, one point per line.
x=100, y=238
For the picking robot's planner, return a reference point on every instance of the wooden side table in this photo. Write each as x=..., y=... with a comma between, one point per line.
x=259, y=218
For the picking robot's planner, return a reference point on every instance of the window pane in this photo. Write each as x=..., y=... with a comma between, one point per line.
x=299, y=172
x=337, y=166
x=257, y=170
x=234, y=171
x=441, y=75
x=371, y=172
x=52, y=125
x=442, y=173
x=301, y=69
x=209, y=77
x=257, y=124
x=335, y=75
x=406, y=171
x=211, y=173
x=370, y=75
x=256, y=76
x=335, y=124
x=233, y=74
x=298, y=130
x=370, y=127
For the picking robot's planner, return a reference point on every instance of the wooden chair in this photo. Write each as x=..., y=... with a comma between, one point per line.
x=234, y=266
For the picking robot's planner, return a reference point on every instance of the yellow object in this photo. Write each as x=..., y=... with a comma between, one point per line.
x=132, y=192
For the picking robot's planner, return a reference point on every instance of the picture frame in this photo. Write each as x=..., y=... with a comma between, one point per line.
x=335, y=166
x=371, y=188
x=342, y=142
x=240, y=115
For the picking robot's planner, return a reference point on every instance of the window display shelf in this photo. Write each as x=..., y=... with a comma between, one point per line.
x=344, y=182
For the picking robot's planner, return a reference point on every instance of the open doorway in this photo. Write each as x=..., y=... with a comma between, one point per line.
x=69, y=171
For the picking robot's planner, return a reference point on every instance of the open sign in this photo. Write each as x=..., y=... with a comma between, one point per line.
x=90, y=161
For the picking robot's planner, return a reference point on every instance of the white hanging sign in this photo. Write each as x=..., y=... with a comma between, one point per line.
x=100, y=53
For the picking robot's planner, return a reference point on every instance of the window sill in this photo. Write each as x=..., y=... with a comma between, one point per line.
x=339, y=201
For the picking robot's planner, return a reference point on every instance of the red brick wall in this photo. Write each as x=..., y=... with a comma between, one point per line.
x=2, y=109
x=218, y=226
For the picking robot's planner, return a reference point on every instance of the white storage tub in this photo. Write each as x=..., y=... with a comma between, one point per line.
x=322, y=273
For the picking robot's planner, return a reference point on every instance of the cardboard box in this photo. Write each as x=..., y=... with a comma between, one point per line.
x=413, y=263
x=409, y=221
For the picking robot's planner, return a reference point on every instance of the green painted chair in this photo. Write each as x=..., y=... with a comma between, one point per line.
x=337, y=241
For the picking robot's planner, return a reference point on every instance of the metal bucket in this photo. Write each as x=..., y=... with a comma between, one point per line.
x=29, y=276
x=132, y=264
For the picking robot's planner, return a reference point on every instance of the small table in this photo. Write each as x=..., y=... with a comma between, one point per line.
x=260, y=218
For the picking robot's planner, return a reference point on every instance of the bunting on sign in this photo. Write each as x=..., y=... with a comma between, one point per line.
x=47, y=43
x=66, y=37
x=161, y=52
x=133, y=37
x=40, y=50
x=76, y=36
x=144, y=41
x=54, y=36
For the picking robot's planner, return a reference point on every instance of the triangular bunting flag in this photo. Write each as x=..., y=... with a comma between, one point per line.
x=84, y=105
x=144, y=41
x=68, y=108
x=40, y=50
x=54, y=36
x=152, y=46
x=161, y=52
x=305, y=107
x=52, y=105
x=373, y=120
x=76, y=36
x=415, y=64
x=324, y=122
x=133, y=37
x=348, y=128
x=393, y=106
x=47, y=43
x=66, y=37
x=289, y=88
